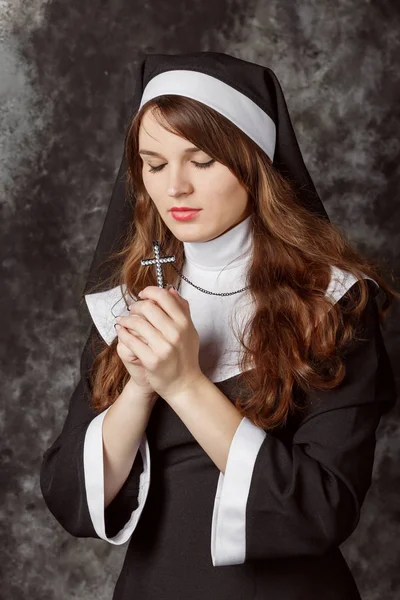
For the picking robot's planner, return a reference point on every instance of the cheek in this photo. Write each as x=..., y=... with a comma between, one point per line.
x=151, y=184
x=223, y=183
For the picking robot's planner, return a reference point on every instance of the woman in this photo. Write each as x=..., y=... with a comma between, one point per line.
x=227, y=430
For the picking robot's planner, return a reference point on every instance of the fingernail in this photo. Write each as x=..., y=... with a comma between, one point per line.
x=118, y=319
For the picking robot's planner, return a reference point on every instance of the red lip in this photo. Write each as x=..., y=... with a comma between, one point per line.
x=184, y=215
x=186, y=208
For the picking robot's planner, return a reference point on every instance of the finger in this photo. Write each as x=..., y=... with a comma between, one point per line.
x=133, y=359
x=130, y=323
x=183, y=303
x=145, y=331
x=134, y=345
x=171, y=303
x=127, y=354
x=162, y=327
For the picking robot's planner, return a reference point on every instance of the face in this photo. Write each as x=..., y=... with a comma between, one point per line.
x=175, y=174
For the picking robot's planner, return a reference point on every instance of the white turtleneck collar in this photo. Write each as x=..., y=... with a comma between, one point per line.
x=228, y=250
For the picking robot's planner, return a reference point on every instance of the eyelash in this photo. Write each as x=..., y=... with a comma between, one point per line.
x=197, y=165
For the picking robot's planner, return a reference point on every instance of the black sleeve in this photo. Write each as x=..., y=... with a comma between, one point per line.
x=305, y=498
x=62, y=480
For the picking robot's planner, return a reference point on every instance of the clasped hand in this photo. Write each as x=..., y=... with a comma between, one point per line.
x=161, y=333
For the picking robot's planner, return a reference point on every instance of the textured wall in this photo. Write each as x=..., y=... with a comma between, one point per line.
x=65, y=85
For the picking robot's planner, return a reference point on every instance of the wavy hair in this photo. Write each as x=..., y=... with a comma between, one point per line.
x=296, y=337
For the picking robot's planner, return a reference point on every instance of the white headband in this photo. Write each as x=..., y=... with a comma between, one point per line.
x=213, y=92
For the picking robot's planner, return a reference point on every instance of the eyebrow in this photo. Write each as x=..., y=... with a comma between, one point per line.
x=192, y=149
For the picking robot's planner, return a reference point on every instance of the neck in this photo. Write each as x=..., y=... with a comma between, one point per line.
x=228, y=250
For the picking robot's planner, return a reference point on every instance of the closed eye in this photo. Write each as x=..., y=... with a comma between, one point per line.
x=196, y=164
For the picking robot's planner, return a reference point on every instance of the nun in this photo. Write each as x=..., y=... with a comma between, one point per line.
x=234, y=376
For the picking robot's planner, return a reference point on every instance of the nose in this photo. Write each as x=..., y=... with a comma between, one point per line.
x=178, y=184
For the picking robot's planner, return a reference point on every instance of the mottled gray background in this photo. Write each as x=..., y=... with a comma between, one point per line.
x=65, y=85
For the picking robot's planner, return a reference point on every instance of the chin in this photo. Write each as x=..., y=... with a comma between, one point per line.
x=188, y=237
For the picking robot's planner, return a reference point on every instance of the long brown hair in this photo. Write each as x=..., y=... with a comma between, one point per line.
x=296, y=336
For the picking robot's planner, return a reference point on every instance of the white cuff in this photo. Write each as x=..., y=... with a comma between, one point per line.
x=94, y=481
x=228, y=530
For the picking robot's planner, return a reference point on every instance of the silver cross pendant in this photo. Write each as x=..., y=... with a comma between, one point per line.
x=158, y=262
